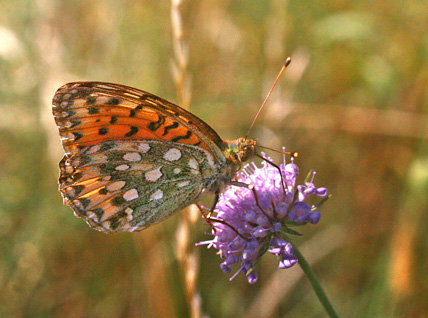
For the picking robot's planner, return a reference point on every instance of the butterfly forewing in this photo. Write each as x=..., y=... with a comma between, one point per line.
x=92, y=112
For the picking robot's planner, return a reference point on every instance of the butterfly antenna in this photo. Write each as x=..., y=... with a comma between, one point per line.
x=293, y=154
x=287, y=62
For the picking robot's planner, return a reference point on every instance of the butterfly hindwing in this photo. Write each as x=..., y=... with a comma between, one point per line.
x=128, y=185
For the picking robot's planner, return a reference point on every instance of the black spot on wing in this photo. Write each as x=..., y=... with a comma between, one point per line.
x=168, y=128
x=76, y=176
x=85, y=202
x=116, y=220
x=113, y=101
x=93, y=110
x=77, y=189
x=132, y=132
x=186, y=136
x=77, y=136
x=91, y=100
x=75, y=123
x=99, y=212
x=102, y=131
x=117, y=201
x=154, y=125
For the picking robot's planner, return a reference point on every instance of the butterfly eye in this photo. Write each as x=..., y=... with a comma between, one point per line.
x=247, y=149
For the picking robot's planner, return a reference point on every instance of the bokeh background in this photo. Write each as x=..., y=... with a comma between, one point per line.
x=354, y=103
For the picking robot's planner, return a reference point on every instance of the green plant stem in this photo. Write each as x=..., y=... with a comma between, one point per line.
x=315, y=283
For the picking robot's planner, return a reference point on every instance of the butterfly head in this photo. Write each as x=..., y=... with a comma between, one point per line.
x=240, y=150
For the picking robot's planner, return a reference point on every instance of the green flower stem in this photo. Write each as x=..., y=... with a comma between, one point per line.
x=315, y=283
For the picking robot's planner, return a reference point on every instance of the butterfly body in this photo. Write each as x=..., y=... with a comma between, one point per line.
x=133, y=159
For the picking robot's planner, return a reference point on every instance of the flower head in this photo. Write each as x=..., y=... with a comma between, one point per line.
x=250, y=221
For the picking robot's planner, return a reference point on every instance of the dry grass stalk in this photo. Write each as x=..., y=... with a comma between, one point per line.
x=187, y=256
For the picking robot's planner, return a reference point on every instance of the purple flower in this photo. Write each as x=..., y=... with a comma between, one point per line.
x=244, y=228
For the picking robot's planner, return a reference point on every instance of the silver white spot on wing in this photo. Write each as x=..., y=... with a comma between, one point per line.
x=132, y=156
x=177, y=170
x=93, y=149
x=122, y=167
x=136, y=227
x=156, y=196
x=90, y=215
x=106, y=226
x=71, y=193
x=116, y=185
x=172, y=154
x=193, y=164
x=143, y=147
x=129, y=215
x=102, y=99
x=130, y=195
x=183, y=184
x=153, y=175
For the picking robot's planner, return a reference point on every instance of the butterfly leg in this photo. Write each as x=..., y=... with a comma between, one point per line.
x=212, y=220
x=215, y=220
x=206, y=217
x=275, y=166
x=216, y=198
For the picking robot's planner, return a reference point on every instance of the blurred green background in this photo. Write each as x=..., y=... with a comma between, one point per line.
x=354, y=103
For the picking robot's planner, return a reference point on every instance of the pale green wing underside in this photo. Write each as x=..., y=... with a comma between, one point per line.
x=128, y=185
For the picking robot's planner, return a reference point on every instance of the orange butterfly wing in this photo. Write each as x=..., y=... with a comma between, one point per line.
x=92, y=112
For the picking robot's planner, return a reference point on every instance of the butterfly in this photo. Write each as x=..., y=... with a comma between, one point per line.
x=133, y=159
